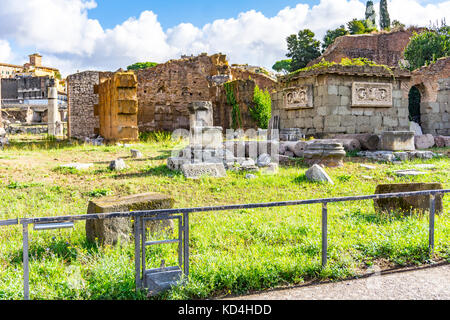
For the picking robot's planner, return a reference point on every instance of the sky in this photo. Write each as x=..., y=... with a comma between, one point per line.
x=77, y=35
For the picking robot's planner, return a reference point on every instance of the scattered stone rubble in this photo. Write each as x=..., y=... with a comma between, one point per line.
x=317, y=174
x=206, y=147
x=117, y=165
x=136, y=154
x=391, y=156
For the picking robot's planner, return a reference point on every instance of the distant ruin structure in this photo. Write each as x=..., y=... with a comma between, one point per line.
x=165, y=91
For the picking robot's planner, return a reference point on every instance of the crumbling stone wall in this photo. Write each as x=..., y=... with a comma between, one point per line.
x=81, y=100
x=329, y=109
x=261, y=80
x=433, y=84
x=243, y=91
x=383, y=48
x=165, y=91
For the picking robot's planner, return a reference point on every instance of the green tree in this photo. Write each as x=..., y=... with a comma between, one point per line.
x=426, y=47
x=142, y=65
x=397, y=24
x=371, y=14
x=261, y=111
x=360, y=26
x=302, y=49
x=385, y=20
x=331, y=35
x=282, y=66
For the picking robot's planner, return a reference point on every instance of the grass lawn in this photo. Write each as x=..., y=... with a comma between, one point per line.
x=231, y=252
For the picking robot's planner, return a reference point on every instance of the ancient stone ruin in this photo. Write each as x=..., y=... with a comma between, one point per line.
x=165, y=91
x=118, y=107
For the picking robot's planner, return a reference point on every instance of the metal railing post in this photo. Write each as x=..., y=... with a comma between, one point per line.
x=137, y=252
x=26, y=267
x=431, y=227
x=324, y=234
x=186, y=243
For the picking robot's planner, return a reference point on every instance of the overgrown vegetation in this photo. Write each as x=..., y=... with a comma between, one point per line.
x=236, y=116
x=323, y=64
x=155, y=136
x=142, y=65
x=261, y=111
x=428, y=46
x=232, y=252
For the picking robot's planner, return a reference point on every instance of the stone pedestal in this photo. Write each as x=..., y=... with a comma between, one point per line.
x=327, y=154
x=109, y=231
x=201, y=114
x=397, y=141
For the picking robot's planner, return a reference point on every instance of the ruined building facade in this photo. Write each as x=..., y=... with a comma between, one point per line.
x=342, y=100
x=165, y=91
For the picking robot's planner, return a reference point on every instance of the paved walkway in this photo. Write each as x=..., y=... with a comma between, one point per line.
x=412, y=284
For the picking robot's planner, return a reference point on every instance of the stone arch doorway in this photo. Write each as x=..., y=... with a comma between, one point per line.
x=414, y=101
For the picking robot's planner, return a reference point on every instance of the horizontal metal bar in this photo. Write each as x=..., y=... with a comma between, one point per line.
x=152, y=243
x=144, y=213
x=52, y=226
x=9, y=222
x=162, y=218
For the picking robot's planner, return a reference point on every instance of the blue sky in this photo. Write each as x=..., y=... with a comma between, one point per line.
x=197, y=12
x=75, y=35
x=173, y=12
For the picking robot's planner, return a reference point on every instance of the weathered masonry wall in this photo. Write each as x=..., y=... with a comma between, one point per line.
x=433, y=82
x=243, y=91
x=81, y=100
x=383, y=48
x=340, y=99
x=165, y=91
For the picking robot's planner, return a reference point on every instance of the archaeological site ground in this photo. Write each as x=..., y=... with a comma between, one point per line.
x=198, y=178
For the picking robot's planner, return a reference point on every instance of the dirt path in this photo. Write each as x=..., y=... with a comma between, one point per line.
x=424, y=283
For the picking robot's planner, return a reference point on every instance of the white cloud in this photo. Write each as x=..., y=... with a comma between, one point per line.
x=57, y=26
x=5, y=51
x=63, y=32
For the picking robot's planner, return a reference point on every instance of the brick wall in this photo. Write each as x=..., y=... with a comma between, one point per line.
x=383, y=48
x=81, y=101
x=165, y=91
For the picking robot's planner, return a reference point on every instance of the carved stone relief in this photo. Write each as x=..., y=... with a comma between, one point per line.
x=298, y=97
x=368, y=94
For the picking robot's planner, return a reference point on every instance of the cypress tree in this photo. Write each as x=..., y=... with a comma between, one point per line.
x=370, y=13
x=385, y=21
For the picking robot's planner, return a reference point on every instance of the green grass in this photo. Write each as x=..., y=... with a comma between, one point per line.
x=231, y=252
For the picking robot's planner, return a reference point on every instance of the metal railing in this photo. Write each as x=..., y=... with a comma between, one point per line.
x=47, y=223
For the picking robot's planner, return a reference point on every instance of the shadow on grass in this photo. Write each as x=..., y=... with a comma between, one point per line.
x=379, y=218
x=159, y=171
x=57, y=247
x=41, y=144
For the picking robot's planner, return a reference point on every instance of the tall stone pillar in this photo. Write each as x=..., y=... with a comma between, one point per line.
x=54, y=121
